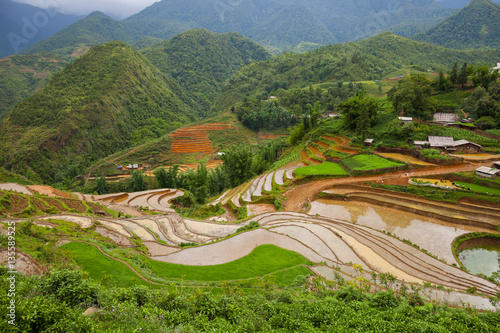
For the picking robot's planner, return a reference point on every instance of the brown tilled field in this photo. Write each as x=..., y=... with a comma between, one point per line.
x=18, y=204
x=55, y=203
x=74, y=204
x=195, y=139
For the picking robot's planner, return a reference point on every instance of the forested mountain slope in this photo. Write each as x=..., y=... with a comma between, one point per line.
x=97, y=28
x=23, y=25
x=201, y=61
x=94, y=107
x=370, y=59
x=22, y=75
x=276, y=24
x=477, y=25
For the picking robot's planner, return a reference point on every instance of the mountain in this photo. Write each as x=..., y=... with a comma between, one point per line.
x=201, y=61
x=23, y=75
x=456, y=3
x=97, y=105
x=23, y=25
x=477, y=25
x=370, y=59
x=275, y=24
x=281, y=23
x=95, y=29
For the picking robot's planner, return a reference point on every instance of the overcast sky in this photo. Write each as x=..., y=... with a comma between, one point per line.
x=116, y=8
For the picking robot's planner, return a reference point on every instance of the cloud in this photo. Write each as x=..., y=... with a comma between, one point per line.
x=116, y=8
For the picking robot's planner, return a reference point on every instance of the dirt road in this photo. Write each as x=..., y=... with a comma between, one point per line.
x=300, y=194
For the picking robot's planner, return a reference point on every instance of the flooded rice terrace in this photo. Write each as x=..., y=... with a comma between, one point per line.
x=484, y=260
x=430, y=234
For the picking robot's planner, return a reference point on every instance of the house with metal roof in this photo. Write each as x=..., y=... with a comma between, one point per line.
x=487, y=172
x=446, y=143
x=443, y=117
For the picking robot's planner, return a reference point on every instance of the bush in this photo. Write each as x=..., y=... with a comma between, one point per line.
x=70, y=287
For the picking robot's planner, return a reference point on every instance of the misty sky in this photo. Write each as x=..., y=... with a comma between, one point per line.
x=116, y=8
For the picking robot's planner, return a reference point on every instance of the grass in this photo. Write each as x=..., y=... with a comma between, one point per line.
x=479, y=188
x=102, y=268
x=263, y=260
x=326, y=168
x=369, y=162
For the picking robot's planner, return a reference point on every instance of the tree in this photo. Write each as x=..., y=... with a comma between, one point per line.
x=463, y=75
x=360, y=112
x=138, y=182
x=454, y=74
x=441, y=83
x=237, y=164
x=484, y=76
x=101, y=185
x=411, y=97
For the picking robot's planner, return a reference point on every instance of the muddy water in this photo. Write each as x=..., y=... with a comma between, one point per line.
x=430, y=234
x=481, y=259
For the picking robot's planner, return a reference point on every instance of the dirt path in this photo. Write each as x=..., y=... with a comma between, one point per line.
x=300, y=194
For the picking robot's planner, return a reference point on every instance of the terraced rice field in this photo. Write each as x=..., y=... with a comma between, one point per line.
x=326, y=168
x=404, y=158
x=342, y=144
x=477, y=157
x=195, y=139
x=369, y=162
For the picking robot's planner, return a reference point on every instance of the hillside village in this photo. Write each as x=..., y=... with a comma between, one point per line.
x=202, y=182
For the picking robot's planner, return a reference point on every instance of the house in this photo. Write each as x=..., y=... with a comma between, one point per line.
x=487, y=172
x=368, y=142
x=446, y=143
x=421, y=144
x=406, y=120
x=496, y=68
x=464, y=146
x=443, y=117
x=441, y=142
x=496, y=165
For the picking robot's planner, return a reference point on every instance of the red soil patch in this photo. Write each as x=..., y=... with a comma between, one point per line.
x=322, y=144
x=195, y=139
x=50, y=191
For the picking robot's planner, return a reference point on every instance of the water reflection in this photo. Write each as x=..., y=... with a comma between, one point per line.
x=481, y=260
x=430, y=234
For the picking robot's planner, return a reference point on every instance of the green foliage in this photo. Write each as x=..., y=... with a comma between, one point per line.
x=369, y=59
x=324, y=169
x=70, y=287
x=411, y=97
x=22, y=75
x=201, y=61
x=475, y=26
x=369, y=162
x=88, y=111
x=97, y=28
x=434, y=153
x=250, y=226
x=360, y=113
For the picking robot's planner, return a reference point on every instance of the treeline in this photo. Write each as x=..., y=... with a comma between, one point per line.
x=288, y=107
x=239, y=165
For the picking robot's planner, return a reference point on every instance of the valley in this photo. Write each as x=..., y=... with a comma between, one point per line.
x=166, y=173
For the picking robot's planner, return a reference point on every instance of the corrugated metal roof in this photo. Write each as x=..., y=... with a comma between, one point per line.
x=465, y=142
x=488, y=171
x=442, y=117
x=441, y=141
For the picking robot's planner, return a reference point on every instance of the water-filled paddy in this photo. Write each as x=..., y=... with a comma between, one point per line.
x=430, y=234
x=481, y=259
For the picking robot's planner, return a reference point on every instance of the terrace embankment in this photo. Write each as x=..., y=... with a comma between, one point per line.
x=457, y=213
